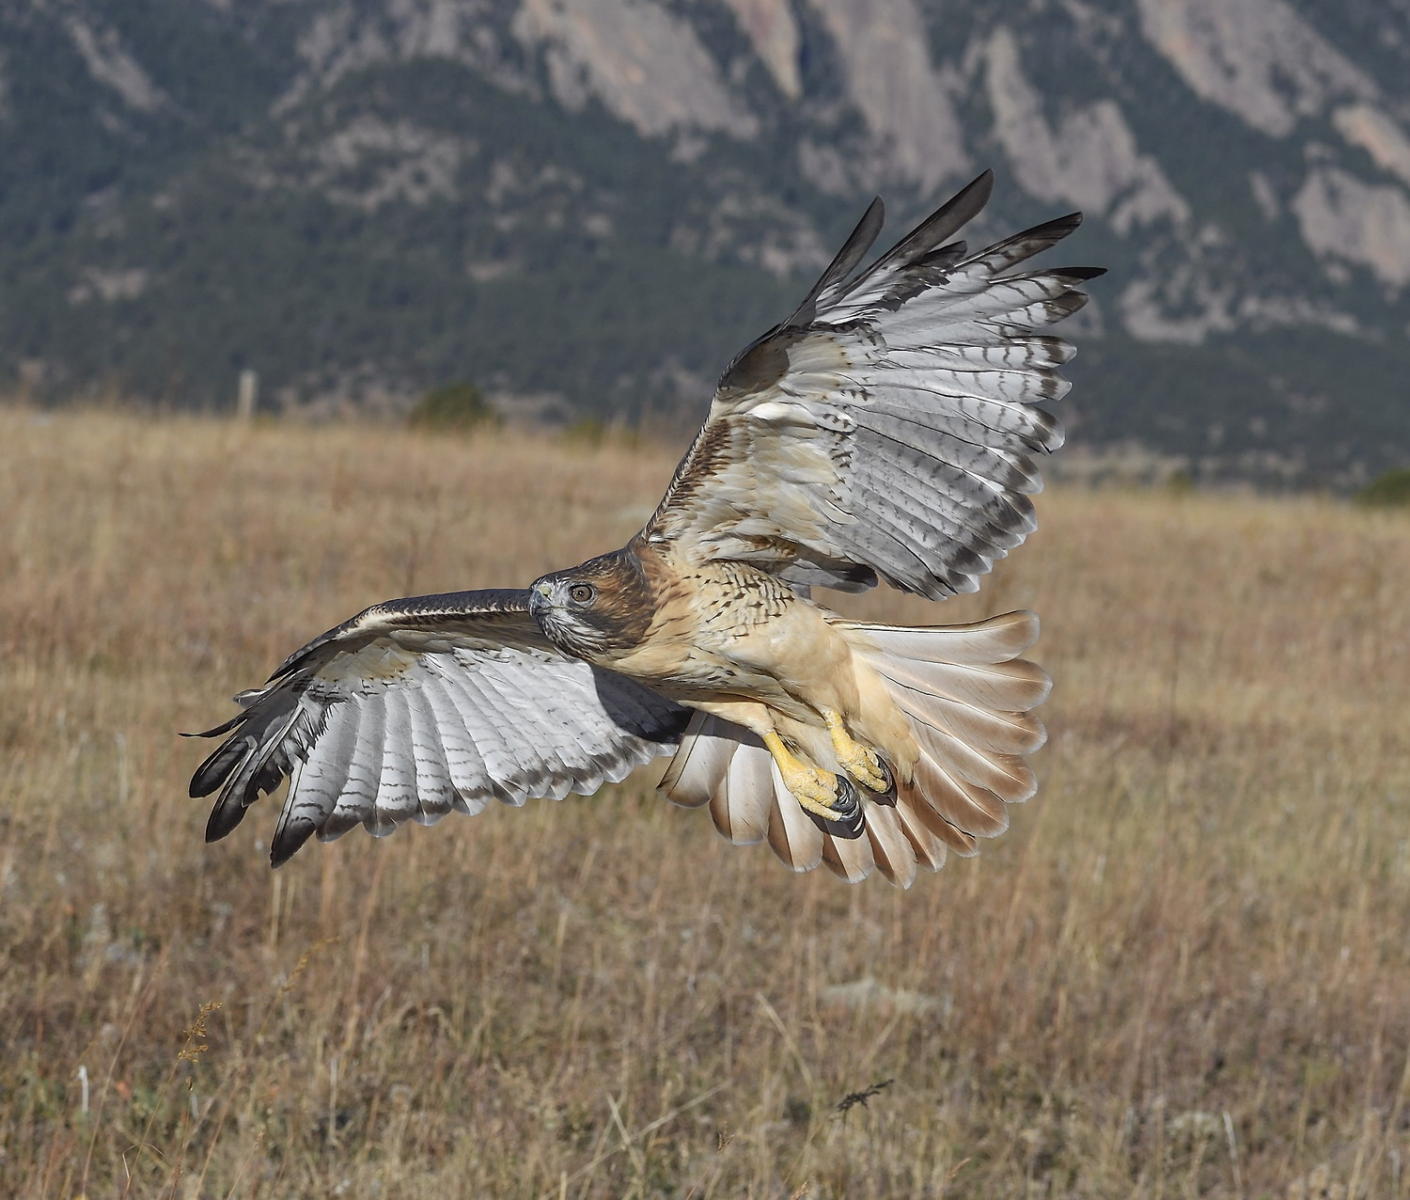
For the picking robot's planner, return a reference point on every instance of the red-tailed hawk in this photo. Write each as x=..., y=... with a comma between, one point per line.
x=884, y=431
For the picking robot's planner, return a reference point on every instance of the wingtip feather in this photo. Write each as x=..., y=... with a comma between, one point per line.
x=225, y=816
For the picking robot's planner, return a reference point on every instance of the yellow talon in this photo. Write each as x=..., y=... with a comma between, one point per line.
x=814, y=789
x=861, y=764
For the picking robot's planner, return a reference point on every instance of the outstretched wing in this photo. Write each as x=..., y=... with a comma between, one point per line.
x=887, y=427
x=419, y=706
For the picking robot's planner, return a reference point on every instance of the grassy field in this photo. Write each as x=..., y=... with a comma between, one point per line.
x=1184, y=971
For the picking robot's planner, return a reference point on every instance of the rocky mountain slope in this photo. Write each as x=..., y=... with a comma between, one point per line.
x=587, y=205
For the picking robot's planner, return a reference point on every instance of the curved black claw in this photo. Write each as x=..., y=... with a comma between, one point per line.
x=888, y=795
x=850, y=822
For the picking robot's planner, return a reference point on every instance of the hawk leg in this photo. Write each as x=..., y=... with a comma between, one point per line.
x=830, y=799
x=862, y=764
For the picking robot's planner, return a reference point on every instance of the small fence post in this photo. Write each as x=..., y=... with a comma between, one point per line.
x=246, y=395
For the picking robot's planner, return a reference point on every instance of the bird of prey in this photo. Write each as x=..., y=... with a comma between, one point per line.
x=886, y=431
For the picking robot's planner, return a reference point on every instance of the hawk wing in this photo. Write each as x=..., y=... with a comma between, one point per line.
x=887, y=427
x=419, y=706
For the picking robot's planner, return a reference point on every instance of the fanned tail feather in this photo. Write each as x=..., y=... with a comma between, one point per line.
x=967, y=696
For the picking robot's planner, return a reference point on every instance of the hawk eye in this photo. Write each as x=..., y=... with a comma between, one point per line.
x=582, y=593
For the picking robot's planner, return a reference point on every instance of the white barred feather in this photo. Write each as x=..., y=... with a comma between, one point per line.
x=420, y=706
x=796, y=840
x=885, y=430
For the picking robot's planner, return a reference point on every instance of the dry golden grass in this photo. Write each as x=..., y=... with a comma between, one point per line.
x=1184, y=971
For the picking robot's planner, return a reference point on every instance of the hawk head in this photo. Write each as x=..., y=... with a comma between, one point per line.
x=591, y=611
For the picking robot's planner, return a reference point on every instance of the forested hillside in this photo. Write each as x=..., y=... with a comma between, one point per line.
x=587, y=207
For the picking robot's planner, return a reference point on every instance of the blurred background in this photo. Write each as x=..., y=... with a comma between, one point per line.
x=583, y=208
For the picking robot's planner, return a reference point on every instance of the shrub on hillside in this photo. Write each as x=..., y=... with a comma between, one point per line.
x=453, y=407
x=1391, y=490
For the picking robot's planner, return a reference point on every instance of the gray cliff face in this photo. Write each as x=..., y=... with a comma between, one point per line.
x=588, y=204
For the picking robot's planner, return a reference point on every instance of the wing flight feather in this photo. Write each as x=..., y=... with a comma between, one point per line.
x=888, y=429
x=419, y=706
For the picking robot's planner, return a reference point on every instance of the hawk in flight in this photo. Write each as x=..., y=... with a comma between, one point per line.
x=885, y=431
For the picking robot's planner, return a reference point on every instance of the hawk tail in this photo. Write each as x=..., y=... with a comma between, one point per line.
x=967, y=696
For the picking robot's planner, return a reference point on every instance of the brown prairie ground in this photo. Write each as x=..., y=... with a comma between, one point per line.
x=1184, y=970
